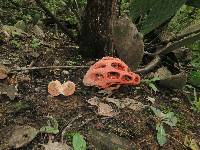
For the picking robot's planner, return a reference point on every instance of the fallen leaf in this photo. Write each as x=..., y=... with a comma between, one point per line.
x=110, y=141
x=9, y=90
x=17, y=137
x=133, y=104
x=127, y=102
x=3, y=72
x=191, y=143
x=115, y=101
x=103, y=108
x=56, y=146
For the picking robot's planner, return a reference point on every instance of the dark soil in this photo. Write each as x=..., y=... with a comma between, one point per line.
x=137, y=127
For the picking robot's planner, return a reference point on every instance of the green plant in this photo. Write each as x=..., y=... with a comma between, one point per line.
x=196, y=102
x=151, y=83
x=15, y=44
x=36, y=43
x=51, y=127
x=78, y=142
x=168, y=118
x=54, y=5
x=153, y=13
x=124, y=7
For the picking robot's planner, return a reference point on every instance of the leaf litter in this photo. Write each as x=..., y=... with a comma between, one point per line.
x=103, y=108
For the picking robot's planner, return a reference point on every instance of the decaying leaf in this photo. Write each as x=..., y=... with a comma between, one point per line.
x=103, y=108
x=191, y=143
x=17, y=137
x=56, y=146
x=12, y=30
x=111, y=141
x=9, y=90
x=3, y=72
x=126, y=102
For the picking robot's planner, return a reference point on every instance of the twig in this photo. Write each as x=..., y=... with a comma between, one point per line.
x=48, y=67
x=149, y=66
x=68, y=125
x=176, y=140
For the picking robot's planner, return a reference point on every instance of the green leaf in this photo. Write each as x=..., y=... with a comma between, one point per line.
x=52, y=126
x=152, y=13
x=153, y=87
x=194, y=78
x=161, y=135
x=49, y=129
x=78, y=142
x=170, y=119
x=156, y=111
x=194, y=3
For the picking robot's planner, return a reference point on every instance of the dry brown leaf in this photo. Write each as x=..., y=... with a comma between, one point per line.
x=9, y=90
x=3, y=72
x=127, y=102
x=103, y=108
x=56, y=146
x=17, y=137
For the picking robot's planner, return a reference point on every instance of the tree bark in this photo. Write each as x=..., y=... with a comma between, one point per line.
x=96, y=31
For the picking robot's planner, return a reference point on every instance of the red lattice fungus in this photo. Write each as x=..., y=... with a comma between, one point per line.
x=109, y=72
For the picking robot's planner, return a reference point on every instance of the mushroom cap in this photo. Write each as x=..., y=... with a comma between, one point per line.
x=55, y=88
x=68, y=88
x=109, y=72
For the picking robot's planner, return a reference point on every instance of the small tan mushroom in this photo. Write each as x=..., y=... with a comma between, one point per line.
x=55, y=88
x=68, y=88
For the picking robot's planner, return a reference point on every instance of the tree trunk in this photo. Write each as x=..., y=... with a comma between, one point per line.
x=96, y=31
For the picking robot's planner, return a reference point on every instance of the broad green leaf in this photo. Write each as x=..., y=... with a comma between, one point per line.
x=153, y=13
x=52, y=126
x=161, y=135
x=78, y=142
x=157, y=112
x=170, y=119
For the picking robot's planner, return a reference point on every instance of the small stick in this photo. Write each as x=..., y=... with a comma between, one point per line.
x=69, y=124
x=176, y=140
x=47, y=67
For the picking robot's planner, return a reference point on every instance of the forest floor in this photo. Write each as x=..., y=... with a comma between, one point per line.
x=33, y=104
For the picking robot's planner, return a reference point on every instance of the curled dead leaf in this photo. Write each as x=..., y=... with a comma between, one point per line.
x=103, y=108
